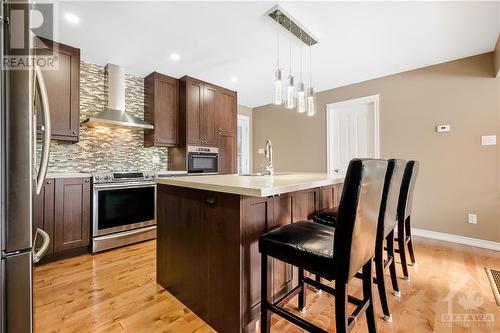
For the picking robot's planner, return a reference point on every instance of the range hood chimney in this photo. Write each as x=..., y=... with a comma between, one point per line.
x=115, y=114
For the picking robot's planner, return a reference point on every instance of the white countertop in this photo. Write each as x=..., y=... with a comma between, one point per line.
x=255, y=186
x=62, y=174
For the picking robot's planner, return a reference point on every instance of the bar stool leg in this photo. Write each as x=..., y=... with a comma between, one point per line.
x=265, y=315
x=302, y=292
x=410, y=242
x=392, y=266
x=379, y=272
x=318, y=279
x=402, y=249
x=368, y=295
x=341, y=323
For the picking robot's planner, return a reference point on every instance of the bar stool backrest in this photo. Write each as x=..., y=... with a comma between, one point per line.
x=354, y=240
x=392, y=186
x=407, y=189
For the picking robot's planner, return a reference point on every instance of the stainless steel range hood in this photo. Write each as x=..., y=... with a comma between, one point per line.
x=115, y=115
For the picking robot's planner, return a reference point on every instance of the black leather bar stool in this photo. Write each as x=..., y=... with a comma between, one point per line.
x=404, y=216
x=334, y=254
x=385, y=232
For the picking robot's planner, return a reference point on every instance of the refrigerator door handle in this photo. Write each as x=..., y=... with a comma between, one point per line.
x=47, y=132
x=38, y=255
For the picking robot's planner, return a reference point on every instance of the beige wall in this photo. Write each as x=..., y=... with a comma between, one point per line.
x=497, y=57
x=457, y=174
x=246, y=111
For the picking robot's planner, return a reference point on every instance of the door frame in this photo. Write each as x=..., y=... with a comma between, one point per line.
x=375, y=99
x=245, y=121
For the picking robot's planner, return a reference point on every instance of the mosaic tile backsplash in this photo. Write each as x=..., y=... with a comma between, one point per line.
x=101, y=149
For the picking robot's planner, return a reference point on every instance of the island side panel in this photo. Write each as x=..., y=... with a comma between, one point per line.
x=198, y=257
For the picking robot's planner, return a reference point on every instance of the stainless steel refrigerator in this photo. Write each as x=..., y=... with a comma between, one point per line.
x=21, y=177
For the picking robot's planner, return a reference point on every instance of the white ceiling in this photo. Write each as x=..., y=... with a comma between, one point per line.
x=218, y=40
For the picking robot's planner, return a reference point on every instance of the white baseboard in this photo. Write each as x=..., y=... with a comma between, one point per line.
x=485, y=244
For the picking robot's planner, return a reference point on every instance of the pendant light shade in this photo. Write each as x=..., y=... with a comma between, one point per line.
x=278, y=88
x=278, y=83
x=311, y=102
x=290, y=93
x=301, y=98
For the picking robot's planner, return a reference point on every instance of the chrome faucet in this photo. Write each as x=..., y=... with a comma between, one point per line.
x=269, y=156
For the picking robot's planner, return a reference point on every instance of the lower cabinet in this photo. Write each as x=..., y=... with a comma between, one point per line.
x=63, y=210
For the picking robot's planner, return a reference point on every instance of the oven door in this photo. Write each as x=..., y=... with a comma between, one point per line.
x=203, y=163
x=120, y=207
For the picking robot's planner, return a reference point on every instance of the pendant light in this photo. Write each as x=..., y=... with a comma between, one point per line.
x=311, y=102
x=301, y=94
x=278, y=84
x=290, y=89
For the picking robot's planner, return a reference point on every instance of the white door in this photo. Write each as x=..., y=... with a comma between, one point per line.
x=352, y=132
x=243, y=141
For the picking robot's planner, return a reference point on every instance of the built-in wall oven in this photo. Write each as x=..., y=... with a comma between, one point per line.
x=203, y=160
x=124, y=209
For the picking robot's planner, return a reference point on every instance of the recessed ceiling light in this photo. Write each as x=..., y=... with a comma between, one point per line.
x=72, y=18
x=234, y=79
x=174, y=56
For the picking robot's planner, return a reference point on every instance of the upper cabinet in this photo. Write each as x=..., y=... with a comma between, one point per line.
x=227, y=110
x=161, y=109
x=206, y=110
x=63, y=88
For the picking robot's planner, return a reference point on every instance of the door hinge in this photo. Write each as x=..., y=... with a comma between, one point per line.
x=4, y=19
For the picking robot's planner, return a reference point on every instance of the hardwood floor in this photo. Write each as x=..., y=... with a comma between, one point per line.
x=115, y=291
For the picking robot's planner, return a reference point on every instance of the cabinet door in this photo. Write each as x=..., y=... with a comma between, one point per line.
x=194, y=105
x=305, y=204
x=226, y=110
x=208, y=116
x=43, y=212
x=72, y=213
x=166, y=117
x=227, y=153
x=63, y=89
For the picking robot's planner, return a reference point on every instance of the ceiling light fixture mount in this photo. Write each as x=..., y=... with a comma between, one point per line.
x=280, y=16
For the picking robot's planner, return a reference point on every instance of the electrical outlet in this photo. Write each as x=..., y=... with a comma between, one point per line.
x=489, y=140
x=261, y=151
x=156, y=159
x=472, y=218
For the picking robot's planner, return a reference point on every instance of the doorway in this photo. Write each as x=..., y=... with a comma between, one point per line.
x=352, y=132
x=243, y=144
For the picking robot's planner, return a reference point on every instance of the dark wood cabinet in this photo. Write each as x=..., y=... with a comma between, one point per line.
x=227, y=152
x=161, y=109
x=43, y=212
x=208, y=117
x=226, y=110
x=199, y=107
x=72, y=212
x=63, y=211
x=63, y=88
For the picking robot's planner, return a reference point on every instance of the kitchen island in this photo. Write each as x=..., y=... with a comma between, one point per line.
x=207, y=238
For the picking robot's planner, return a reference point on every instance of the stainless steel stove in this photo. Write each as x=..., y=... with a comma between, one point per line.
x=124, y=209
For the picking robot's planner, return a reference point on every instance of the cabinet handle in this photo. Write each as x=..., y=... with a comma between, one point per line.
x=49, y=182
x=157, y=140
x=74, y=132
x=86, y=180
